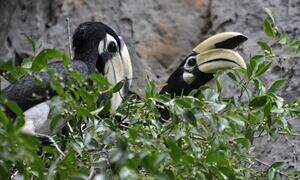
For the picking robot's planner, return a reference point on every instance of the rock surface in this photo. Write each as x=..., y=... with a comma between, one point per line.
x=159, y=35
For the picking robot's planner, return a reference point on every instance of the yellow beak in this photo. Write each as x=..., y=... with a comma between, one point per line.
x=215, y=52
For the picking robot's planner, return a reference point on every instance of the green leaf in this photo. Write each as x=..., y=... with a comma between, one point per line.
x=271, y=173
x=243, y=141
x=269, y=30
x=150, y=89
x=118, y=87
x=190, y=117
x=175, y=151
x=270, y=15
x=276, y=85
x=216, y=156
x=3, y=118
x=31, y=41
x=14, y=107
x=265, y=47
x=251, y=67
x=58, y=87
x=259, y=101
x=41, y=60
x=184, y=102
x=278, y=165
x=262, y=68
x=284, y=39
x=259, y=86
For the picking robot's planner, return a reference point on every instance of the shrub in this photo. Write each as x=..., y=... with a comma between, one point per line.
x=209, y=137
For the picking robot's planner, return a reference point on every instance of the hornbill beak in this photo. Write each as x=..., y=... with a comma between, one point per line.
x=118, y=68
x=214, y=53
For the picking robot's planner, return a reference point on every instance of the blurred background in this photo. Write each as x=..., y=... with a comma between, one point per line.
x=159, y=35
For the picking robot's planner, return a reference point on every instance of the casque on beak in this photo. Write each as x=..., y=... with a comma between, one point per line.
x=215, y=53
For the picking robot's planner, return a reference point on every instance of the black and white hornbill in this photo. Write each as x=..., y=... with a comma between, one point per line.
x=213, y=54
x=98, y=49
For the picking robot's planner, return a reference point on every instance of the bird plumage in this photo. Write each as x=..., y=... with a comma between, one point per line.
x=98, y=49
x=213, y=54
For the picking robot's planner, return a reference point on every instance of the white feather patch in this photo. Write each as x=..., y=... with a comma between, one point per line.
x=36, y=119
x=188, y=77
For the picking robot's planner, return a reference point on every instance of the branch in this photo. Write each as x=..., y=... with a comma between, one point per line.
x=268, y=165
x=53, y=142
x=69, y=38
x=293, y=148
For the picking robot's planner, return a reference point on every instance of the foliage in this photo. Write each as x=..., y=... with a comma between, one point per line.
x=209, y=137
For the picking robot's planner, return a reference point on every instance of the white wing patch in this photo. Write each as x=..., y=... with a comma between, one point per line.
x=36, y=118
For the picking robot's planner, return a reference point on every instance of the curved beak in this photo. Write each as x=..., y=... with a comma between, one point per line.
x=219, y=59
x=117, y=69
x=215, y=53
x=127, y=65
x=226, y=40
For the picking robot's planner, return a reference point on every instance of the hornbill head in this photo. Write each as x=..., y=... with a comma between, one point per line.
x=213, y=54
x=104, y=52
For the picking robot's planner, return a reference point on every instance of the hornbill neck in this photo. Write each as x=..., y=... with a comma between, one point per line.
x=177, y=87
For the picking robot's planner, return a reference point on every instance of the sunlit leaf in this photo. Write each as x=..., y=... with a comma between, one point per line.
x=262, y=68
x=41, y=60
x=265, y=47
x=276, y=85
x=269, y=30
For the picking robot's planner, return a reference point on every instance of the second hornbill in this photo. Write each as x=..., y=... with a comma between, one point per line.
x=98, y=49
x=213, y=54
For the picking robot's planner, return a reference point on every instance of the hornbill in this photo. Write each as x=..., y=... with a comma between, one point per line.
x=98, y=49
x=213, y=54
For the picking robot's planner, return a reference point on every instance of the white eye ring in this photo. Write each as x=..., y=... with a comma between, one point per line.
x=104, y=44
x=110, y=40
x=101, y=48
x=190, y=63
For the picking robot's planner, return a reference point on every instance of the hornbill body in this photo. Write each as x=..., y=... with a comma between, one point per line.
x=213, y=54
x=98, y=49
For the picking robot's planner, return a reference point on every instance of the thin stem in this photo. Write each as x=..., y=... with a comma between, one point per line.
x=268, y=165
x=53, y=142
x=69, y=38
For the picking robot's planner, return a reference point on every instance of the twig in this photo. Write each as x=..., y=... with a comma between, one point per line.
x=127, y=114
x=71, y=56
x=14, y=174
x=70, y=128
x=293, y=148
x=199, y=138
x=69, y=37
x=281, y=133
x=92, y=171
x=243, y=89
x=124, y=126
x=53, y=142
x=268, y=165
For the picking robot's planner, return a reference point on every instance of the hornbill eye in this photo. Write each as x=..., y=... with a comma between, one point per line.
x=112, y=47
x=191, y=61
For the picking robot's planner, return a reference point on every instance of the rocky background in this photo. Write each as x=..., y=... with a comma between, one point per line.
x=159, y=35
